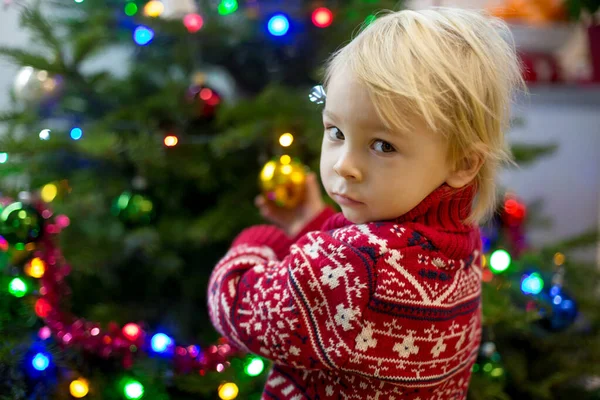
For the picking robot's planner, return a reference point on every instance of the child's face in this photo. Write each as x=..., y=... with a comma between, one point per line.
x=372, y=173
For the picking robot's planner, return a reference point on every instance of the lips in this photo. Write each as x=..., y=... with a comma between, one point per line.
x=345, y=200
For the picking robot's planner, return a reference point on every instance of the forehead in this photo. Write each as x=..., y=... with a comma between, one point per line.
x=349, y=99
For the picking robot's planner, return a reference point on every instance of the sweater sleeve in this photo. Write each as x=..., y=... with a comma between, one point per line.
x=303, y=310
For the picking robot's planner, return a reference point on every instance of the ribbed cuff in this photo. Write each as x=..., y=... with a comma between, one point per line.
x=317, y=223
x=265, y=235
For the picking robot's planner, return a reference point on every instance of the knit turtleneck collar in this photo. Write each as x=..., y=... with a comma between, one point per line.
x=443, y=209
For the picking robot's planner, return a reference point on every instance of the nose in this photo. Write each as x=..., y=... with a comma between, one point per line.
x=347, y=167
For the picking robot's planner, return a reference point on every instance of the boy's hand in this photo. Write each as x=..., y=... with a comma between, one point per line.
x=292, y=221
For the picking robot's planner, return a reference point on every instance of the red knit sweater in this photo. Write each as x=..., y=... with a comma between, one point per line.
x=385, y=310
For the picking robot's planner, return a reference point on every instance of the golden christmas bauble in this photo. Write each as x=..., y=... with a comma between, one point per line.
x=283, y=181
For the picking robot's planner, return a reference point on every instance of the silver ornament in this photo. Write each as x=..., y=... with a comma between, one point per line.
x=317, y=95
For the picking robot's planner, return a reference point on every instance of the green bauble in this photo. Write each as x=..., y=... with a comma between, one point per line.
x=134, y=208
x=20, y=224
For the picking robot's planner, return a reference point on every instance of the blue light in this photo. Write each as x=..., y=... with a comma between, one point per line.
x=40, y=361
x=76, y=133
x=161, y=342
x=532, y=284
x=143, y=35
x=279, y=25
x=557, y=300
x=554, y=290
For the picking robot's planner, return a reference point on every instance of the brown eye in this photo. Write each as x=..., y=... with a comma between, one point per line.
x=334, y=133
x=383, y=146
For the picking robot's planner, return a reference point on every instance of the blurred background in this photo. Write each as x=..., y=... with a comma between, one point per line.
x=134, y=136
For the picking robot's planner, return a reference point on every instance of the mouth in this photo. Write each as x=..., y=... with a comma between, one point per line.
x=345, y=200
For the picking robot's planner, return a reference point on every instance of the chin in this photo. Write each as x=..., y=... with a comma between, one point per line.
x=354, y=217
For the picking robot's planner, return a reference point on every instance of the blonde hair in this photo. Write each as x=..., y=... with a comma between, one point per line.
x=456, y=69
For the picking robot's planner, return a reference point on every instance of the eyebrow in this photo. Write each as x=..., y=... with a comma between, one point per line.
x=380, y=128
x=329, y=114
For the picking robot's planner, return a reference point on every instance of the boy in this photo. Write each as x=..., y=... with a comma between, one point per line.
x=382, y=301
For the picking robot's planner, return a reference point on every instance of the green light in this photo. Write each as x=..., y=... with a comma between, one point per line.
x=499, y=261
x=496, y=372
x=3, y=158
x=475, y=367
x=131, y=9
x=488, y=367
x=228, y=7
x=17, y=287
x=133, y=390
x=370, y=18
x=78, y=1
x=255, y=367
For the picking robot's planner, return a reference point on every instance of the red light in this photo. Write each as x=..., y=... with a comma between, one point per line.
x=206, y=94
x=131, y=331
x=322, y=17
x=193, y=22
x=171, y=141
x=42, y=308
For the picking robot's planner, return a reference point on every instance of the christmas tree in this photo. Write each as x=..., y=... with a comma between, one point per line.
x=120, y=192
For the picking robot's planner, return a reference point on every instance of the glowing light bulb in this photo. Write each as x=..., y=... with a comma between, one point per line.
x=131, y=9
x=285, y=159
x=227, y=7
x=3, y=158
x=42, y=308
x=255, y=367
x=161, y=342
x=133, y=390
x=228, y=391
x=286, y=139
x=171, y=141
x=132, y=331
x=17, y=287
x=142, y=35
x=40, y=362
x=499, y=261
x=193, y=22
x=278, y=25
x=45, y=134
x=532, y=284
x=36, y=268
x=322, y=17
x=79, y=388
x=154, y=8
x=76, y=133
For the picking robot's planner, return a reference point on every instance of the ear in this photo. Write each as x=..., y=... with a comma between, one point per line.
x=466, y=169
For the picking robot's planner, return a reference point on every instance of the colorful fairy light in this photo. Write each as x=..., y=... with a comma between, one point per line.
x=278, y=25
x=76, y=133
x=132, y=331
x=532, y=283
x=228, y=391
x=79, y=388
x=227, y=7
x=49, y=192
x=193, y=22
x=171, y=141
x=500, y=261
x=322, y=17
x=286, y=140
x=154, y=8
x=45, y=134
x=133, y=389
x=17, y=287
x=142, y=35
x=131, y=9
x=254, y=367
x=40, y=361
x=160, y=342
x=3, y=158
x=36, y=268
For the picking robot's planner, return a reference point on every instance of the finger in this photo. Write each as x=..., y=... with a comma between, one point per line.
x=259, y=201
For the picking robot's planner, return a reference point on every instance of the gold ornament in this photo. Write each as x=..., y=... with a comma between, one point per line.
x=283, y=182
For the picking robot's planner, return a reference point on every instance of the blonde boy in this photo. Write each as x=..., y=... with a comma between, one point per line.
x=382, y=301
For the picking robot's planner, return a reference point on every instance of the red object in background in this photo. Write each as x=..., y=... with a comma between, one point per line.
x=594, y=38
x=540, y=68
x=322, y=17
